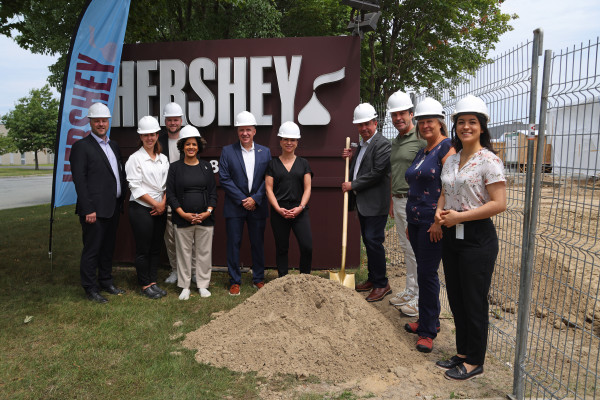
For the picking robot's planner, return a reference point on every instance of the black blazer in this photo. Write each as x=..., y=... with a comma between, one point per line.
x=95, y=182
x=176, y=191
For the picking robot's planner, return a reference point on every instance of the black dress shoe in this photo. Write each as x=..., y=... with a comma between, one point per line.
x=451, y=363
x=96, y=297
x=112, y=289
x=150, y=293
x=159, y=290
x=459, y=373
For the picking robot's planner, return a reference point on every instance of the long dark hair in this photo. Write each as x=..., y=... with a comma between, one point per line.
x=485, y=139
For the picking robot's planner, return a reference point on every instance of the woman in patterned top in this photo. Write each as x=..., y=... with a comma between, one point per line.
x=474, y=190
x=424, y=234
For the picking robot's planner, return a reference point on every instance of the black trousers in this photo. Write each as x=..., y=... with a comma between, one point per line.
x=372, y=230
x=281, y=231
x=148, y=232
x=468, y=266
x=98, y=248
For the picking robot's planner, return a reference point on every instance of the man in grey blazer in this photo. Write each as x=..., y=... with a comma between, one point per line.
x=369, y=190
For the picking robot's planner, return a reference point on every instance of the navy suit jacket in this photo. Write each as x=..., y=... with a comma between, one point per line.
x=233, y=179
x=95, y=182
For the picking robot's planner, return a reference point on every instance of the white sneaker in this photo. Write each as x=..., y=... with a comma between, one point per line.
x=204, y=292
x=172, y=278
x=402, y=298
x=411, y=308
x=185, y=294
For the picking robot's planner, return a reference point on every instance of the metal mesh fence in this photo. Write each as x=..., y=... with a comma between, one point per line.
x=562, y=339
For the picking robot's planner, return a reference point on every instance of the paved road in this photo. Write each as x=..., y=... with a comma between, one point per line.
x=25, y=191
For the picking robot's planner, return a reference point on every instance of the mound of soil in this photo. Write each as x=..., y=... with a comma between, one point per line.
x=303, y=325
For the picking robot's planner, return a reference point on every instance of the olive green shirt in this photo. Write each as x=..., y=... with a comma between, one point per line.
x=404, y=150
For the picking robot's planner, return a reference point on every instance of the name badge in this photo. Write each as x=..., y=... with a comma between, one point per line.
x=460, y=231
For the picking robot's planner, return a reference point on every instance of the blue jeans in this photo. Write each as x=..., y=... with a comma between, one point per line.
x=428, y=255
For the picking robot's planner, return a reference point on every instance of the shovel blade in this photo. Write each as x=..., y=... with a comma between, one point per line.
x=343, y=278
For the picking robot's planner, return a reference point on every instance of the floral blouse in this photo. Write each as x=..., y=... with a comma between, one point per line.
x=424, y=185
x=465, y=188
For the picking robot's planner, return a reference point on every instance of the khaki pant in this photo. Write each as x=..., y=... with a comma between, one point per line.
x=194, y=250
x=170, y=242
x=409, y=255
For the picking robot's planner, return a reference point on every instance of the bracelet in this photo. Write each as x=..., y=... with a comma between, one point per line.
x=210, y=210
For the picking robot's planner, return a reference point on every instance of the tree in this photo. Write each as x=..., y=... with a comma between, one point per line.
x=417, y=44
x=7, y=145
x=32, y=124
x=428, y=43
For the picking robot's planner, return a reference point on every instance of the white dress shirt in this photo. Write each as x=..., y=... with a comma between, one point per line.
x=249, y=161
x=146, y=176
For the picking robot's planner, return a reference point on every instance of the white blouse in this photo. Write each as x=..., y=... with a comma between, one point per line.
x=465, y=188
x=146, y=176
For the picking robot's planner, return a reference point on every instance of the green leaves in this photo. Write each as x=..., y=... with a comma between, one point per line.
x=418, y=44
x=428, y=43
x=32, y=124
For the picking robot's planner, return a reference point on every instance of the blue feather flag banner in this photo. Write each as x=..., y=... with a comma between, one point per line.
x=91, y=76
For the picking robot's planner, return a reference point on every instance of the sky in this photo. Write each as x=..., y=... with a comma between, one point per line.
x=565, y=23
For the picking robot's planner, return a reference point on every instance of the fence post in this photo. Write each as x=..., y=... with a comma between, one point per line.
x=526, y=269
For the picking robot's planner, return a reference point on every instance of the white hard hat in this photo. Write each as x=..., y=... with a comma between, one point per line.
x=399, y=101
x=289, y=130
x=189, y=131
x=364, y=112
x=148, y=124
x=429, y=107
x=172, y=110
x=245, y=119
x=471, y=104
x=98, y=110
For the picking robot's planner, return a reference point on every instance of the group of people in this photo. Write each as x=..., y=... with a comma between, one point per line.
x=173, y=196
x=442, y=192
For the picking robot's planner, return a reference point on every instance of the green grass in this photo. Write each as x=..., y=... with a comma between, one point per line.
x=73, y=348
x=4, y=172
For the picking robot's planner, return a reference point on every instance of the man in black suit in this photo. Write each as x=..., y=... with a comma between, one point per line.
x=100, y=183
x=370, y=193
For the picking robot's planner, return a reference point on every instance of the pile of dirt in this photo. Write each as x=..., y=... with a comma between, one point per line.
x=302, y=325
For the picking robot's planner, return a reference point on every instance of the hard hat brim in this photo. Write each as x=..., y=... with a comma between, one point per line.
x=455, y=115
x=361, y=120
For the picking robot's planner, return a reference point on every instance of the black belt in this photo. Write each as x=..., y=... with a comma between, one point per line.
x=401, y=196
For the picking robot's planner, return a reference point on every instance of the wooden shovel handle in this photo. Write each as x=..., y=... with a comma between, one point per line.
x=345, y=217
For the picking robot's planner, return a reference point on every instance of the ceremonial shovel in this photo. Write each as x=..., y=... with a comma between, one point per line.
x=343, y=278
